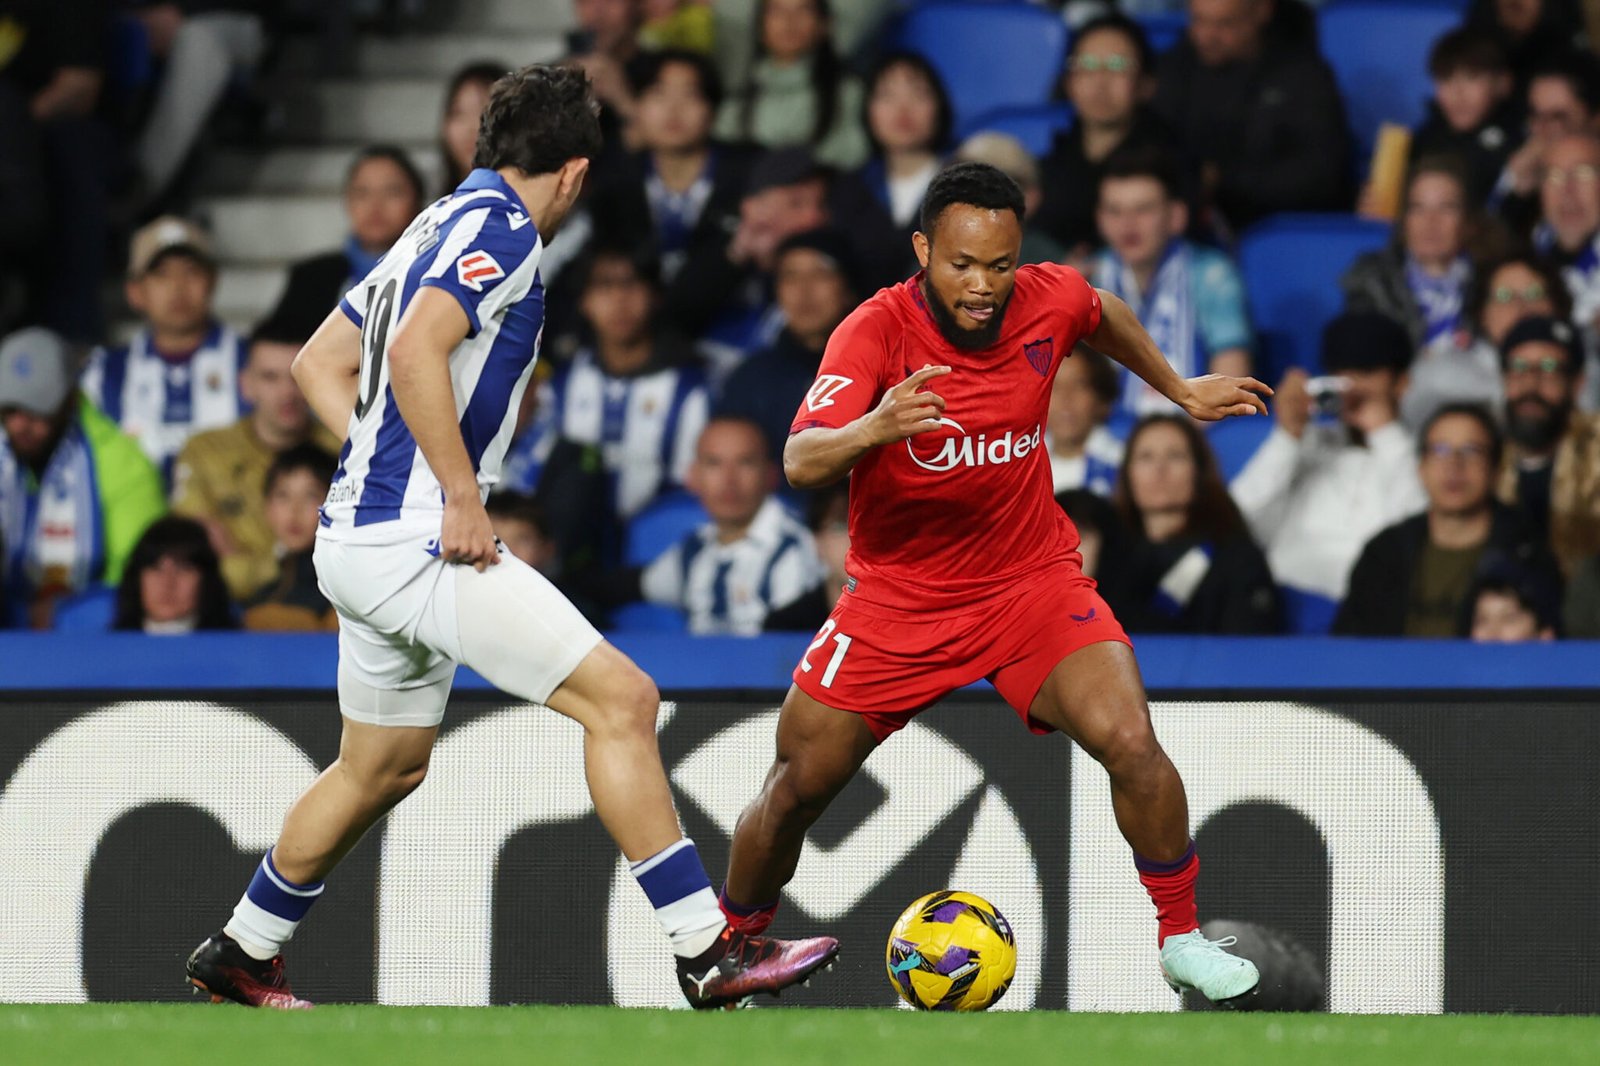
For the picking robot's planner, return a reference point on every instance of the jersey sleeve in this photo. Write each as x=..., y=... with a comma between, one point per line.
x=356, y=302
x=851, y=377
x=1071, y=292
x=481, y=261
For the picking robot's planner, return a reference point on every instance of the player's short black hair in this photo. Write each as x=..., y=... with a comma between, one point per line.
x=538, y=118
x=308, y=457
x=644, y=72
x=390, y=153
x=1116, y=20
x=1467, y=49
x=1581, y=72
x=1144, y=162
x=1475, y=411
x=974, y=184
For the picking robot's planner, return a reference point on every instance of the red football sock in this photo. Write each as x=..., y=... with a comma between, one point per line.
x=751, y=921
x=1171, y=888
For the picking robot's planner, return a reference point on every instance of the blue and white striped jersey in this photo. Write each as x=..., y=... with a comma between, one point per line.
x=729, y=589
x=480, y=246
x=162, y=402
x=646, y=426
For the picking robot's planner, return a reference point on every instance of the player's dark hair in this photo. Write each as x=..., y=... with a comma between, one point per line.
x=944, y=117
x=537, y=119
x=186, y=541
x=1479, y=414
x=390, y=153
x=1581, y=72
x=1126, y=26
x=646, y=71
x=1144, y=162
x=484, y=73
x=1212, y=513
x=1481, y=288
x=974, y=184
x=518, y=507
x=1466, y=49
x=308, y=457
x=825, y=75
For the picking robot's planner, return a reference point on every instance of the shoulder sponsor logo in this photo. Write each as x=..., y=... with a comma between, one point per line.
x=982, y=450
x=517, y=220
x=824, y=389
x=476, y=269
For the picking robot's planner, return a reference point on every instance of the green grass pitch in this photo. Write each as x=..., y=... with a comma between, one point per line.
x=135, y=1034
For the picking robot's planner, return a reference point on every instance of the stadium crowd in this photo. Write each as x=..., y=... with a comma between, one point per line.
x=1434, y=471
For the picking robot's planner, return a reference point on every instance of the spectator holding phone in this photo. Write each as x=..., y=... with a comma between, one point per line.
x=1339, y=465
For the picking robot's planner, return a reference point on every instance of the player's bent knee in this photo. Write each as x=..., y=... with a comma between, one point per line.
x=1126, y=747
x=630, y=704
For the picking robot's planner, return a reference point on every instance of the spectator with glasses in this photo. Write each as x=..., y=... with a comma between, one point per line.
x=1551, y=475
x=1568, y=236
x=1109, y=81
x=1415, y=578
x=1463, y=366
x=1563, y=98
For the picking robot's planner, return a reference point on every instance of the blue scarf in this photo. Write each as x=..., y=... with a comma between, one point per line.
x=361, y=261
x=1439, y=298
x=1167, y=313
x=51, y=527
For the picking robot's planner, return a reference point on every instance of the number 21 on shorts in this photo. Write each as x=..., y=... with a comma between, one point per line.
x=842, y=643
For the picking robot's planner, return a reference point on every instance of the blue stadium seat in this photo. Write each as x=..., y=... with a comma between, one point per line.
x=1235, y=440
x=990, y=55
x=648, y=618
x=1036, y=127
x=90, y=611
x=1307, y=614
x=1291, y=266
x=662, y=524
x=1166, y=30
x=1378, y=50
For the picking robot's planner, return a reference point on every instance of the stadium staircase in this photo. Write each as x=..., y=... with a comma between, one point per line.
x=271, y=205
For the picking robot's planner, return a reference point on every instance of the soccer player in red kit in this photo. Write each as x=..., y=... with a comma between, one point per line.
x=931, y=397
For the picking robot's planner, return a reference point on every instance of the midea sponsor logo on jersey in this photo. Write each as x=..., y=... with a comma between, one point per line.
x=982, y=450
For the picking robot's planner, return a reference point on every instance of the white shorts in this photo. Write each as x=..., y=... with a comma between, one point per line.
x=407, y=618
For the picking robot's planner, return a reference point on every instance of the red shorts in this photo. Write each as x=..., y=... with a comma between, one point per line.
x=889, y=664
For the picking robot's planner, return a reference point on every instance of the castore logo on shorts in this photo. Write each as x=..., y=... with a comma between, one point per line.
x=966, y=450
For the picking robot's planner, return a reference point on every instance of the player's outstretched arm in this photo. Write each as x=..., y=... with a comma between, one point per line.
x=328, y=371
x=419, y=374
x=820, y=456
x=1210, y=398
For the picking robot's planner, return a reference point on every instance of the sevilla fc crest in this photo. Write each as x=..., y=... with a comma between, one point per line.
x=1040, y=354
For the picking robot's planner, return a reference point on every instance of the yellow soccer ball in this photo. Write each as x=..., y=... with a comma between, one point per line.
x=951, y=951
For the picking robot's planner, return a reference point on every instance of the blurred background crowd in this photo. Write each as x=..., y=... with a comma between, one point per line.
x=1390, y=211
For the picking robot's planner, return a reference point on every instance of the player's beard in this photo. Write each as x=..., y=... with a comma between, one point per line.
x=967, y=340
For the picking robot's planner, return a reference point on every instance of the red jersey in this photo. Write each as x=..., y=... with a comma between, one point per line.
x=942, y=517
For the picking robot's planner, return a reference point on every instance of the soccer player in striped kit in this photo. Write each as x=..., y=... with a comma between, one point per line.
x=425, y=362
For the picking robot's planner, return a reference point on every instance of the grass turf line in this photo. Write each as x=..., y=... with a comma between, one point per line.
x=137, y=1034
